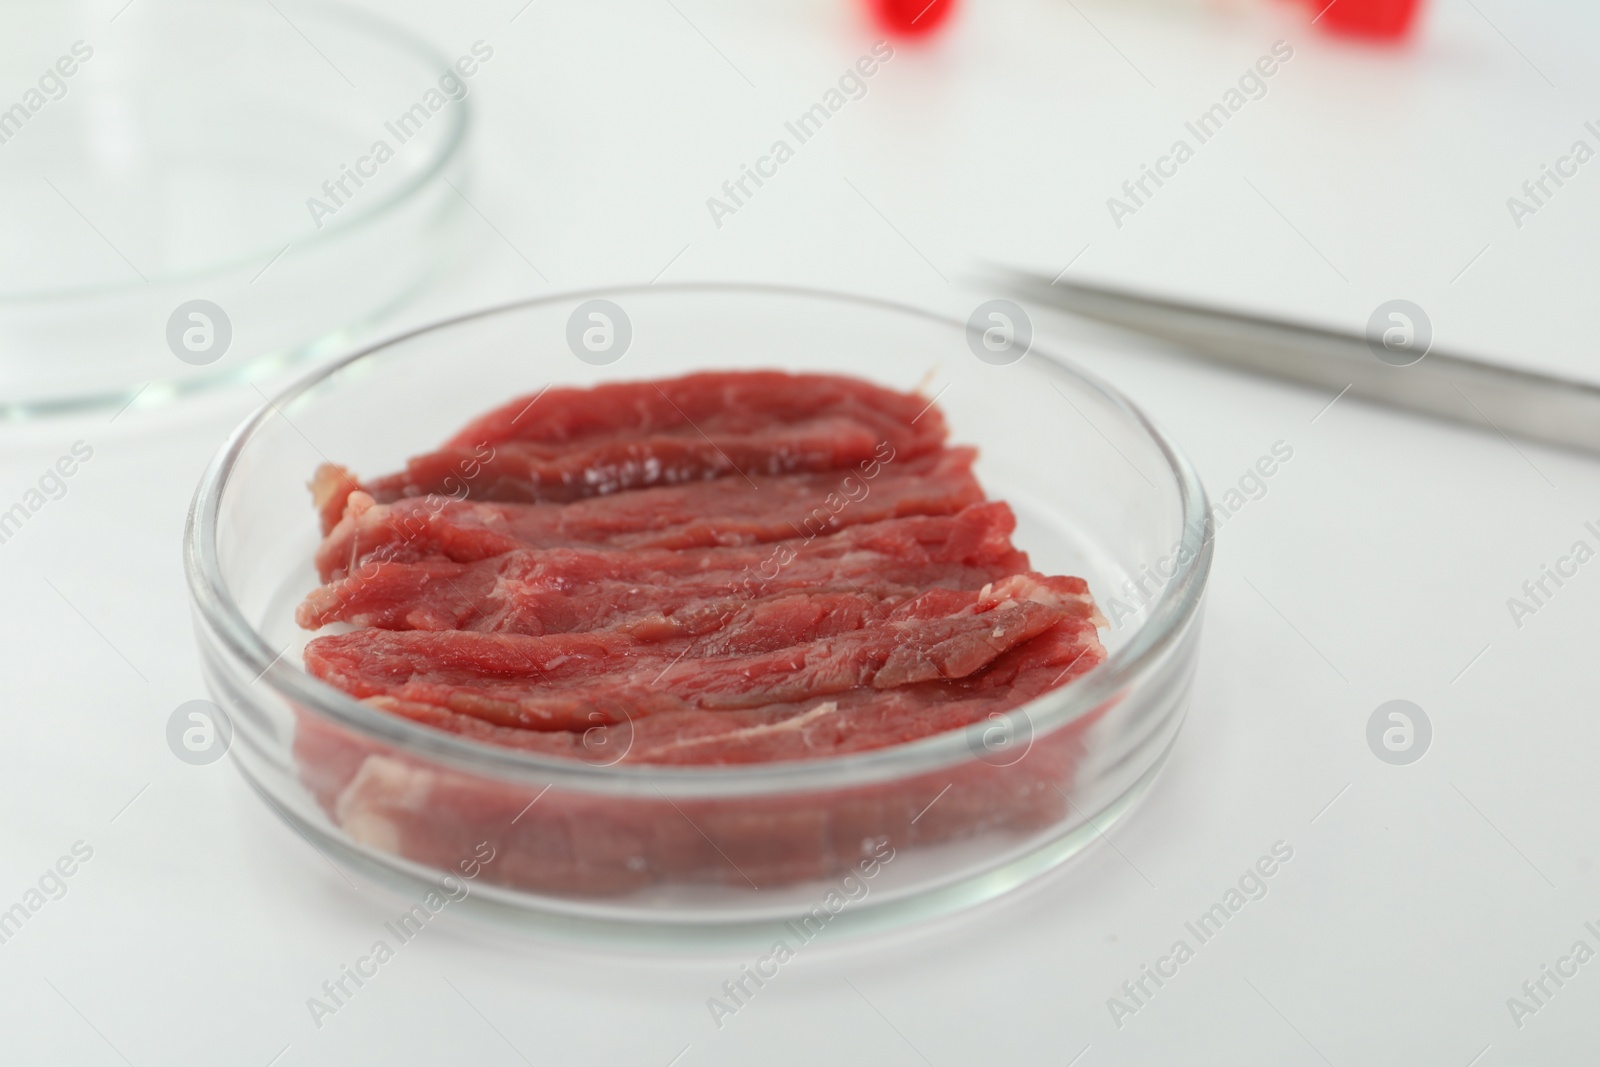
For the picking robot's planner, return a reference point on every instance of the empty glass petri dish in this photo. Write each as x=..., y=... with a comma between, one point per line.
x=194, y=192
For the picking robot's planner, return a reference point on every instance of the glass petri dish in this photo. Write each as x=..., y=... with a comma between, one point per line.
x=607, y=848
x=161, y=162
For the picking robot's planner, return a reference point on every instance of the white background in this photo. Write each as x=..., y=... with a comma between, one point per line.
x=1378, y=565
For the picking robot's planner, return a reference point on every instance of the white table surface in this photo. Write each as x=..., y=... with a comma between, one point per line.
x=1378, y=565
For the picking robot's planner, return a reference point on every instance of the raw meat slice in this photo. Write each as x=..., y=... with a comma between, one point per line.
x=723, y=512
x=714, y=401
x=577, y=681
x=853, y=722
x=428, y=597
x=539, y=591
x=567, y=443
x=531, y=473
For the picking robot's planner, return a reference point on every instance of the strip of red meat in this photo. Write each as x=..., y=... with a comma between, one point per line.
x=531, y=473
x=562, y=590
x=715, y=401
x=728, y=511
x=855, y=721
x=578, y=681
x=568, y=443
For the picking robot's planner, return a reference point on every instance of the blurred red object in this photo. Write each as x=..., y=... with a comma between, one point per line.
x=911, y=18
x=1379, y=19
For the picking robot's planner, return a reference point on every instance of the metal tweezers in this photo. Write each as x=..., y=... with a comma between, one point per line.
x=1542, y=407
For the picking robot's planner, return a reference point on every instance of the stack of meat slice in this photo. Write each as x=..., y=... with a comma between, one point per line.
x=716, y=569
